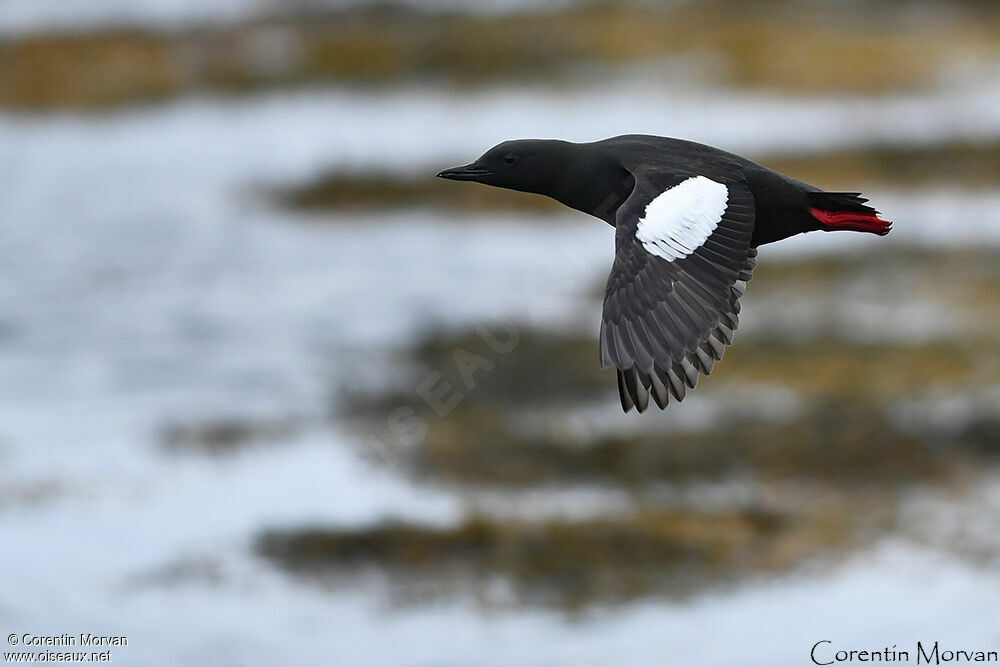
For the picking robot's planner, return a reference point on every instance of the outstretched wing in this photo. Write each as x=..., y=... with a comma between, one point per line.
x=682, y=259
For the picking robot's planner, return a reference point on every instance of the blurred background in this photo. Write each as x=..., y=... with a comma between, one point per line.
x=228, y=277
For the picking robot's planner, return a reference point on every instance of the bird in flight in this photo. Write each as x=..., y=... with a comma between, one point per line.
x=688, y=219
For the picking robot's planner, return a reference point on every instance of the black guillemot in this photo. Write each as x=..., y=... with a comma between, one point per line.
x=688, y=219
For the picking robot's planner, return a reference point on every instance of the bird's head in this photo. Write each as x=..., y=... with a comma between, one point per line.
x=578, y=175
x=528, y=165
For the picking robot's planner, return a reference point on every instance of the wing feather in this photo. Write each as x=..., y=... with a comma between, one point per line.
x=668, y=321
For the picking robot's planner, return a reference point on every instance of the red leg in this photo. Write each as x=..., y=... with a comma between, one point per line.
x=851, y=221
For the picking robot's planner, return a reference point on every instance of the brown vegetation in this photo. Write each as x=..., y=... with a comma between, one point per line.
x=776, y=45
x=568, y=563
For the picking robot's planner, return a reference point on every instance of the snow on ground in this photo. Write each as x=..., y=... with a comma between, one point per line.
x=288, y=136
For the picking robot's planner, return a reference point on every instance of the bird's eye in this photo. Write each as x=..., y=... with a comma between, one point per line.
x=508, y=159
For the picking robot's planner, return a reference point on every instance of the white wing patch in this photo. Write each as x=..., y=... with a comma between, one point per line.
x=679, y=220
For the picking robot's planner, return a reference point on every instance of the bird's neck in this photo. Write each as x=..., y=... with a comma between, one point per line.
x=592, y=182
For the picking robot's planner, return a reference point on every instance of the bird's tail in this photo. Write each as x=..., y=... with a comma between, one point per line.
x=846, y=211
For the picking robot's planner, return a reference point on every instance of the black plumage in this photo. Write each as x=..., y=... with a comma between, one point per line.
x=681, y=263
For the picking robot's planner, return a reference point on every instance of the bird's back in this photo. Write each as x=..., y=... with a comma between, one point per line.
x=781, y=202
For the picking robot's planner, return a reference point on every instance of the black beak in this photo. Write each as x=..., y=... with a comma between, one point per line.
x=470, y=172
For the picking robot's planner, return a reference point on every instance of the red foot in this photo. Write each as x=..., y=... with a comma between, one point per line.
x=851, y=221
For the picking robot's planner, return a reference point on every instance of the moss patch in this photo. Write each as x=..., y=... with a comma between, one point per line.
x=380, y=191
x=855, y=371
x=775, y=45
x=95, y=70
x=497, y=367
x=955, y=164
x=845, y=445
x=225, y=435
x=568, y=563
x=972, y=283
